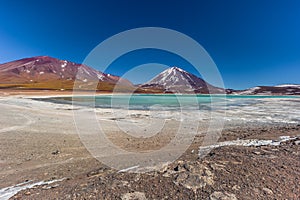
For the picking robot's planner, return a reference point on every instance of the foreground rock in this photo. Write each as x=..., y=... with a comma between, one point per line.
x=228, y=172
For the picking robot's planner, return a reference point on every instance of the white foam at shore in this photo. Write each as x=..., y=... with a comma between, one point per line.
x=8, y=192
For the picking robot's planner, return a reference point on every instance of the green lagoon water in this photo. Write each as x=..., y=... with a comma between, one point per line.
x=165, y=102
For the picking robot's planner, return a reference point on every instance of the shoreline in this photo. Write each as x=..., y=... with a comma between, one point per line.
x=68, y=93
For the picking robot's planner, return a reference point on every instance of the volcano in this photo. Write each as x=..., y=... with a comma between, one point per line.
x=177, y=80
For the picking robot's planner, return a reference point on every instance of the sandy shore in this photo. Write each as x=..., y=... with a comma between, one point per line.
x=39, y=142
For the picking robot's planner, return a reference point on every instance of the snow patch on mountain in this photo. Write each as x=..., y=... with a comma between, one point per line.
x=288, y=85
x=64, y=64
x=250, y=90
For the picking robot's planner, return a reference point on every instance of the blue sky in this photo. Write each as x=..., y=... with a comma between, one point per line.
x=253, y=42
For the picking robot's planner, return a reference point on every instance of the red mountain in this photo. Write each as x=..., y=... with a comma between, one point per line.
x=43, y=72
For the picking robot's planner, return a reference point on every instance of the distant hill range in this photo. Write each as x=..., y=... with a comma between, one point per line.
x=286, y=89
x=43, y=72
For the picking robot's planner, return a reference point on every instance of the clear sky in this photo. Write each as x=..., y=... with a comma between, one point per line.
x=253, y=42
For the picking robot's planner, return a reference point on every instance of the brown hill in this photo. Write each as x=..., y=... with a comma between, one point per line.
x=43, y=72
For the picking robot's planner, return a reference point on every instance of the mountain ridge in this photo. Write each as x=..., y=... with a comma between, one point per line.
x=286, y=89
x=44, y=72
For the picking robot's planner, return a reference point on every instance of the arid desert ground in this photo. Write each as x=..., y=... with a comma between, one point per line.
x=255, y=158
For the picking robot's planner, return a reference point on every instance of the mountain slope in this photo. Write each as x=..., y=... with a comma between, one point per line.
x=287, y=89
x=176, y=80
x=43, y=72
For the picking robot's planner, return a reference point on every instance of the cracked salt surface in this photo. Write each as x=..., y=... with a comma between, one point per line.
x=264, y=110
x=238, y=111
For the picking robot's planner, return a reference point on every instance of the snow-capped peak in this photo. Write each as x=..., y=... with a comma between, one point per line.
x=174, y=69
x=178, y=69
x=175, y=79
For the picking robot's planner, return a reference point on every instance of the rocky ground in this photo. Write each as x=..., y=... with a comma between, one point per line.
x=231, y=172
